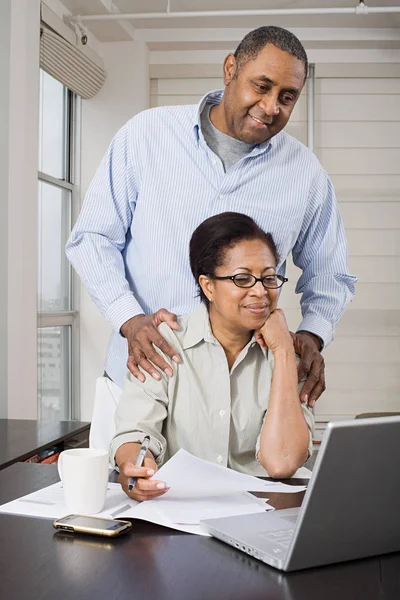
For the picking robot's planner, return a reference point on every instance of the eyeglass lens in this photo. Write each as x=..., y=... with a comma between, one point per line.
x=248, y=280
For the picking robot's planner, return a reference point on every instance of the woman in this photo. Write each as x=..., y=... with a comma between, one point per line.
x=231, y=400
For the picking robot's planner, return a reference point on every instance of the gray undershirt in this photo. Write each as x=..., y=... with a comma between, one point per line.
x=229, y=149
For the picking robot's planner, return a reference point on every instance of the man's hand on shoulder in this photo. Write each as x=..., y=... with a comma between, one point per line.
x=312, y=365
x=141, y=333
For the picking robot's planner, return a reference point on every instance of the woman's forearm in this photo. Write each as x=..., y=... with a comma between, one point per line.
x=284, y=436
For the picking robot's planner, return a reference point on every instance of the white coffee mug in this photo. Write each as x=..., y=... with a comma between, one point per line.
x=84, y=476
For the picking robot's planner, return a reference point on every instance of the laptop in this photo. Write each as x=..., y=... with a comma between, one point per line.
x=351, y=508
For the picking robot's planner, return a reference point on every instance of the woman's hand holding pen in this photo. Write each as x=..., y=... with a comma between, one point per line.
x=144, y=488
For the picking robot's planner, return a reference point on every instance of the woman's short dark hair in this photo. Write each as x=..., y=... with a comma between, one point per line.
x=214, y=236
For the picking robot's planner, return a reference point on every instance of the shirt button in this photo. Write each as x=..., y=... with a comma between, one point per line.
x=219, y=459
x=221, y=413
x=221, y=197
x=214, y=162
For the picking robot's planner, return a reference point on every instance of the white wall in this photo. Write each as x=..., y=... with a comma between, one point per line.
x=357, y=141
x=5, y=27
x=18, y=265
x=125, y=93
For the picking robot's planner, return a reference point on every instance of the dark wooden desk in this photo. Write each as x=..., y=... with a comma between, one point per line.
x=21, y=439
x=155, y=563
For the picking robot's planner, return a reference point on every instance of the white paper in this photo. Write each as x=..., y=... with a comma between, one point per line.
x=199, y=490
x=49, y=502
x=194, y=476
x=165, y=509
x=303, y=473
x=190, y=511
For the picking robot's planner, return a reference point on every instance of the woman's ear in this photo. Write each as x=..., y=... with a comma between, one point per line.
x=207, y=286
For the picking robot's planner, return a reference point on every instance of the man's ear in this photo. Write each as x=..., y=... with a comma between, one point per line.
x=229, y=68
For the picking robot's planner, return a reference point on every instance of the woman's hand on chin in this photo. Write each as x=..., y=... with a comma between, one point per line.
x=275, y=333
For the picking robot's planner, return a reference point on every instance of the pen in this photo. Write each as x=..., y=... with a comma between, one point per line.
x=139, y=461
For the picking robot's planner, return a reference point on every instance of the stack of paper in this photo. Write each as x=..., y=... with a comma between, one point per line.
x=199, y=490
x=191, y=475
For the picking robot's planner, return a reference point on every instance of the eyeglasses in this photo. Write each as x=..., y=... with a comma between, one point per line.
x=246, y=280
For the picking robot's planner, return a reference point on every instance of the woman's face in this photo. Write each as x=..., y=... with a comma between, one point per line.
x=238, y=308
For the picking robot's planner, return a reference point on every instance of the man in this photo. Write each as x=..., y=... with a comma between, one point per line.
x=169, y=168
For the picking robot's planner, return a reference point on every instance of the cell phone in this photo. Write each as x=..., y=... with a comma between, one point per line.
x=92, y=525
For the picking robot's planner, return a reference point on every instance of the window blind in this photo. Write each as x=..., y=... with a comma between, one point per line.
x=63, y=61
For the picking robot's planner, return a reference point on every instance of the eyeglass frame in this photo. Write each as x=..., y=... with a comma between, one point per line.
x=256, y=280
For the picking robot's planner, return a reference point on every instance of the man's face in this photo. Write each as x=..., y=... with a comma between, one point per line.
x=260, y=100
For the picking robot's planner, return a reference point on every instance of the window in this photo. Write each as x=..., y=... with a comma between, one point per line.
x=57, y=306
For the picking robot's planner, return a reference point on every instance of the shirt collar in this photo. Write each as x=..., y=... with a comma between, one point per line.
x=215, y=97
x=199, y=329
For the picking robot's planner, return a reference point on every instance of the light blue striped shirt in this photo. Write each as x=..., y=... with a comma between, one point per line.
x=159, y=180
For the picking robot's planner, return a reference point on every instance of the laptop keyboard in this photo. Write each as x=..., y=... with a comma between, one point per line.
x=282, y=537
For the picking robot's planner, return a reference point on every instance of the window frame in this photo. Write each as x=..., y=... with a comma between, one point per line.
x=71, y=317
